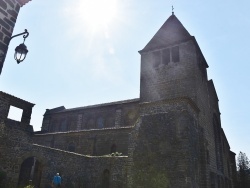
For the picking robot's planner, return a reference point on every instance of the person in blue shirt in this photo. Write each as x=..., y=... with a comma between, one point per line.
x=57, y=180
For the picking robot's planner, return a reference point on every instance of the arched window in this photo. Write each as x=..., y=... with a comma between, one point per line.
x=175, y=54
x=113, y=148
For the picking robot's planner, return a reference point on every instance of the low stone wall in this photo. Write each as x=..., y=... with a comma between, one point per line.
x=88, y=142
x=76, y=170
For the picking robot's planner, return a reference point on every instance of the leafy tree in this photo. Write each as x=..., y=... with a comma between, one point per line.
x=243, y=166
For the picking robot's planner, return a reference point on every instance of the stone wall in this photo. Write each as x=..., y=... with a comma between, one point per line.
x=7, y=100
x=19, y=155
x=110, y=115
x=76, y=170
x=216, y=147
x=166, y=146
x=88, y=142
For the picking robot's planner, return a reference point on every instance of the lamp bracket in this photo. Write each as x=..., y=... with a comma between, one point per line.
x=25, y=35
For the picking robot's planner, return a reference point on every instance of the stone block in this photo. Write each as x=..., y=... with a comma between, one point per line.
x=4, y=24
x=10, y=3
x=3, y=5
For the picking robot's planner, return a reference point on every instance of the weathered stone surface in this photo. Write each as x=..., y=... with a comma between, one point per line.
x=10, y=22
x=10, y=3
x=12, y=12
x=3, y=5
x=3, y=13
x=4, y=24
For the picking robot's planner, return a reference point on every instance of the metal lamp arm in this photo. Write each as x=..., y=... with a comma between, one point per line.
x=25, y=34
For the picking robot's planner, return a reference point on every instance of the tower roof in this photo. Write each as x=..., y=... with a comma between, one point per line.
x=172, y=31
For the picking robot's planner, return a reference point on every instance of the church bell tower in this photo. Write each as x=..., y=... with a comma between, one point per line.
x=170, y=63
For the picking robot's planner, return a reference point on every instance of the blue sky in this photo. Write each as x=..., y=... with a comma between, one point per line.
x=84, y=52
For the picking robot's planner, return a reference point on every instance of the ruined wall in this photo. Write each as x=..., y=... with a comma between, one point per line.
x=6, y=101
x=9, y=10
x=89, y=142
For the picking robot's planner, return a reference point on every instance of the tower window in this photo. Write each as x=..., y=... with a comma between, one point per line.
x=175, y=54
x=156, y=58
x=166, y=56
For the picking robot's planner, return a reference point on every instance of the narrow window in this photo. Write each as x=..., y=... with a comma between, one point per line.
x=165, y=56
x=71, y=147
x=208, y=157
x=64, y=126
x=113, y=148
x=175, y=54
x=156, y=59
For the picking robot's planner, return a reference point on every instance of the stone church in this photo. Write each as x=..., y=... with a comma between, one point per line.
x=170, y=137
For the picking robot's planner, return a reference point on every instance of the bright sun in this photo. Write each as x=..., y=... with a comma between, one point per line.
x=97, y=14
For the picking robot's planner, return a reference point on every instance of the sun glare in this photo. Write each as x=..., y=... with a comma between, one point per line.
x=98, y=14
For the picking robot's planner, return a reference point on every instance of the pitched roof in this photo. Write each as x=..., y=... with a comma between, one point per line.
x=172, y=31
x=63, y=109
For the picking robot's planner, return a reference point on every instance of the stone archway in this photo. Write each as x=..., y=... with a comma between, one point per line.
x=31, y=169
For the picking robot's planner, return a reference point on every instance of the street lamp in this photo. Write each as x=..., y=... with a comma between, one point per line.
x=21, y=50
